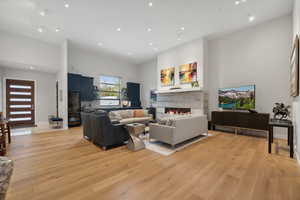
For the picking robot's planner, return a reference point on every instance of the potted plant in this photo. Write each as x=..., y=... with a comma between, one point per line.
x=124, y=97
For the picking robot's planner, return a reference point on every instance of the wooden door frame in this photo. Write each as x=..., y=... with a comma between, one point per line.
x=4, y=94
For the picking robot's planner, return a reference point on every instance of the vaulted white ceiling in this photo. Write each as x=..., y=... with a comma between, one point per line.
x=88, y=22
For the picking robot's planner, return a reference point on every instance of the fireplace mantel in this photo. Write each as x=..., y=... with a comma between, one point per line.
x=179, y=90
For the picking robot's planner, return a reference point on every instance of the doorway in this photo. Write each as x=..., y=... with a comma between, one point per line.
x=20, y=104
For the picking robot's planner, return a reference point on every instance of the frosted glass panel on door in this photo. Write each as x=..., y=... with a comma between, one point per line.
x=20, y=86
x=20, y=119
x=20, y=113
x=20, y=93
x=20, y=106
x=20, y=100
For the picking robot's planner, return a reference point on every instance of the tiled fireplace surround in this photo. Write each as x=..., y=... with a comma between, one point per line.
x=195, y=101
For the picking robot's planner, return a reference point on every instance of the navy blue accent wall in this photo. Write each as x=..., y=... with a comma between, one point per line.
x=82, y=84
x=133, y=90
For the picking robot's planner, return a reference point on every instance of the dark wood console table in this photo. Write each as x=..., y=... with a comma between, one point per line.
x=241, y=120
x=290, y=134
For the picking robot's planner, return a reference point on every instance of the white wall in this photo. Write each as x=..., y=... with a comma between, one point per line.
x=296, y=101
x=62, y=78
x=17, y=54
x=187, y=53
x=20, y=50
x=44, y=93
x=147, y=75
x=184, y=54
x=91, y=63
x=257, y=55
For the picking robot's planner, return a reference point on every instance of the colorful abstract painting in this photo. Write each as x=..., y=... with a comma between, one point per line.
x=188, y=73
x=167, y=76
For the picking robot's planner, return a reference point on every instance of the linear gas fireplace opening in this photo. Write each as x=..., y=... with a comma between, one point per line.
x=177, y=111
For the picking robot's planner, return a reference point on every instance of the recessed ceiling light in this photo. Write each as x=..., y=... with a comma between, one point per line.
x=40, y=29
x=178, y=39
x=251, y=18
x=67, y=5
x=150, y=44
x=57, y=30
x=150, y=4
x=100, y=44
x=43, y=13
x=118, y=29
x=31, y=67
x=155, y=49
x=237, y=2
x=149, y=29
x=182, y=28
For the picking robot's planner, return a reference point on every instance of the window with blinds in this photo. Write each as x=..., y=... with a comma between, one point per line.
x=110, y=90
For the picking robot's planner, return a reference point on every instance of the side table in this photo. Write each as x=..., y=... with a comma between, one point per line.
x=290, y=133
x=6, y=127
x=135, y=143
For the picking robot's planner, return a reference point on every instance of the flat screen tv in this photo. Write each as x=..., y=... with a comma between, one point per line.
x=239, y=98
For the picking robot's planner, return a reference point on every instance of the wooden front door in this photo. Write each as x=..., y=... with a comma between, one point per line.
x=20, y=102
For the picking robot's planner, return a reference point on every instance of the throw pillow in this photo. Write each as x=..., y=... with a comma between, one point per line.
x=115, y=116
x=139, y=113
x=170, y=122
x=146, y=113
x=126, y=114
x=162, y=121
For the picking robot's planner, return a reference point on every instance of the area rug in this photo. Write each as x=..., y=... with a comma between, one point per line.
x=167, y=150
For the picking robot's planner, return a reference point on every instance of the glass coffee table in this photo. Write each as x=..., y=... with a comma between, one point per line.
x=135, y=143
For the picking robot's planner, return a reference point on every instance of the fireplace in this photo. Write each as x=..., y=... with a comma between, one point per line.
x=177, y=111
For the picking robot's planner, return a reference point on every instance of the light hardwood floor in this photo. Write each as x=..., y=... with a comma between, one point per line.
x=62, y=165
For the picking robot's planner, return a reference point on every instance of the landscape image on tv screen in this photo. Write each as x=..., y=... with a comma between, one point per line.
x=241, y=98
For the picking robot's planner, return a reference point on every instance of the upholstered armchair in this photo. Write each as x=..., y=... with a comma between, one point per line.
x=179, y=130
